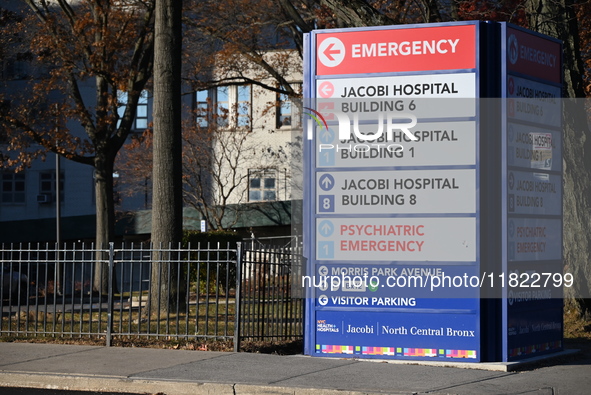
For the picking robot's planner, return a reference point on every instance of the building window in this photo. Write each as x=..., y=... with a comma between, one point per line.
x=243, y=105
x=14, y=69
x=286, y=110
x=232, y=106
x=284, y=116
x=202, y=101
x=117, y=186
x=4, y=110
x=141, y=112
x=13, y=188
x=141, y=115
x=222, y=104
x=47, y=185
x=262, y=185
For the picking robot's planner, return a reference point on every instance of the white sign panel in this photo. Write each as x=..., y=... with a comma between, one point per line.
x=426, y=86
x=534, y=239
x=424, y=96
x=534, y=193
x=397, y=192
x=438, y=144
x=396, y=239
x=533, y=101
x=533, y=147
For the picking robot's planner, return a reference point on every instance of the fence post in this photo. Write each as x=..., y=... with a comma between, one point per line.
x=237, y=297
x=110, y=294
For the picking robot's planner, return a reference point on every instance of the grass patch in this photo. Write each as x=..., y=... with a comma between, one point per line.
x=203, y=319
x=203, y=326
x=577, y=332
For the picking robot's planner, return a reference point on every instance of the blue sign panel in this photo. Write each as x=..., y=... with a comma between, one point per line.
x=435, y=284
x=436, y=335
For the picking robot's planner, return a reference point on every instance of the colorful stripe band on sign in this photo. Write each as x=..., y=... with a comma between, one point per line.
x=534, y=348
x=395, y=351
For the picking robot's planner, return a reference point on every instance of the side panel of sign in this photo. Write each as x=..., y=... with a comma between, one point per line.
x=532, y=187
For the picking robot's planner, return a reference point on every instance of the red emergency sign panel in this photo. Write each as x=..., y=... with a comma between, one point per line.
x=533, y=55
x=396, y=50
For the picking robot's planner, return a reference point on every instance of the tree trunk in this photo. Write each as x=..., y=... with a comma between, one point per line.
x=557, y=19
x=167, y=207
x=105, y=206
x=105, y=219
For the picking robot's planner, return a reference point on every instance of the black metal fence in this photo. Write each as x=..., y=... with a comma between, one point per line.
x=271, y=307
x=196, y=292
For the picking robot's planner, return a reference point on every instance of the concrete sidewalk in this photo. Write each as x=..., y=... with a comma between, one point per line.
x=176, y=372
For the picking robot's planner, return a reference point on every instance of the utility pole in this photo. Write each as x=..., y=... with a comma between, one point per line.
x=58, y=210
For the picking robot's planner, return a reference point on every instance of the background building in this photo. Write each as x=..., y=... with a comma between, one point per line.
x=251, y=185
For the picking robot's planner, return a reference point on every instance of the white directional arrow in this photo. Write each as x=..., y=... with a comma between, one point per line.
x=331, y=52
x=326, y=136
x=326, y=228
x=326, y=182
x=326, y=89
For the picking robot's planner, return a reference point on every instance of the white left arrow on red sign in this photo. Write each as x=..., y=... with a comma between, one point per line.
x=331, y=52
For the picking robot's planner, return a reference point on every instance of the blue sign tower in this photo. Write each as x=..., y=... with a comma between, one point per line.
x=409, y=229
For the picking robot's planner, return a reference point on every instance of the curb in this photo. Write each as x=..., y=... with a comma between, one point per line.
x=149, y=386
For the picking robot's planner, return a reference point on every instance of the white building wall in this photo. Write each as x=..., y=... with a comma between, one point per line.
x=266, y=135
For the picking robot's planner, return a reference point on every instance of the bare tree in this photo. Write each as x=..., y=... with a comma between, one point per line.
x=215, y=172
